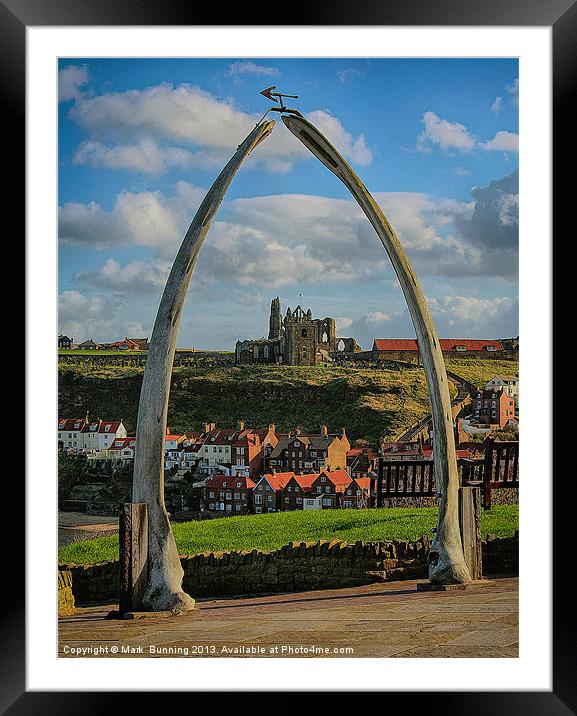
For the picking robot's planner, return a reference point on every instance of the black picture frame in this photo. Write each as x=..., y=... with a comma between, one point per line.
x=561, y=16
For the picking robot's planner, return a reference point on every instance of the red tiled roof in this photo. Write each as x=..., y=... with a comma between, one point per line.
x=305, y=481
x=113, y=426
x=447, y=344
x=278, y=480
x=70, y=423
x=231, y=482
x=337, y=477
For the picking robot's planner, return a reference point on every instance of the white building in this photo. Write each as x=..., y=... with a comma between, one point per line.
x=509, y=384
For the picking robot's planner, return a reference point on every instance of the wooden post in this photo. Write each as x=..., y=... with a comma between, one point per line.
x=380, y=483
x=133, y=538
x=470, y=526
x=488, y=473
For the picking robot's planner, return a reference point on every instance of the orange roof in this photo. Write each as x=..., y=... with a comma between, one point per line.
x=278, y=480
x=363, y=482
x=305, y=481
x=229, y=481
x=337, y=477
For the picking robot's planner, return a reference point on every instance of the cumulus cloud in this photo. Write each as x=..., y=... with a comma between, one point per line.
x=100, y=317
x=281, y=240
x=444, y=134
x=135, y=277
x=145, y=156
x=147, y=218
x=164, y=127
x=246, y=67
x=70, y=80
x=502, y=142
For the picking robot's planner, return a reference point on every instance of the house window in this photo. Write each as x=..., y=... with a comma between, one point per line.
x=297, y=488
x=289, y=489
x=304, y=335
x=229, y=508
x=319, y=488
x=323, y=478
x=237, y=495
x=286, y=499
x=327, y=501
x=461, y=348
x=299, y=500
x=237, y=508
x=327, y=488
x=258, y=499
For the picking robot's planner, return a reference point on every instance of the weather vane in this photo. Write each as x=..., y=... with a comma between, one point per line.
x=278, y=97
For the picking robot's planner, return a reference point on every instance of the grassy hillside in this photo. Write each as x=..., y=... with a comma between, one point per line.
x=275, y=530
x=479, y=371
x=368, y=402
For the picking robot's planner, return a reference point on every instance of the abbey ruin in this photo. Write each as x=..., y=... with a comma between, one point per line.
x=298, y=339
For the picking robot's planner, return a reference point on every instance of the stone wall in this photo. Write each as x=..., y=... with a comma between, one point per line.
x=299, y=566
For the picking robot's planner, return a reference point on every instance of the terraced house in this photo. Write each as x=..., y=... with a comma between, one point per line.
x=228, y=495
x=310, y=452
x=331, y=485
x=267, y=493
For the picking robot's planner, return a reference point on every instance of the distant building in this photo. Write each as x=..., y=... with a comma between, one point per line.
x=331, y=484
x=65, y=342
x=492, y=407
x=310, y=452
x=357, y=494
x=361, y=461
x=89, y=345
x=228, y=495
x=298, y=339
x=82, y=434
x=267, y=493
x=509, y=384
x=407, y=349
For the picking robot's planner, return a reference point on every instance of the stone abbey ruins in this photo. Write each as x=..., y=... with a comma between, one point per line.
x=296, y=339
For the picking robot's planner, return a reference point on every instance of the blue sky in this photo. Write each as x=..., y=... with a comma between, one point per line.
x=140, y=142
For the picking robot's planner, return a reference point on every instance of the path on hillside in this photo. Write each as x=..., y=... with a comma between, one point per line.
x=464, y=389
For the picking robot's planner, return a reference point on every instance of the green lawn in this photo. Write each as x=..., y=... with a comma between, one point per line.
x=275, y=530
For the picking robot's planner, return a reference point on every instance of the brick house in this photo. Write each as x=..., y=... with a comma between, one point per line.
x=267, y=493
x=310, y=452
x=406, y=450
x=357, y=494
x=492, y=407
x=228, y=495
x=361, y=461
x=331, y=484
x=296, y=490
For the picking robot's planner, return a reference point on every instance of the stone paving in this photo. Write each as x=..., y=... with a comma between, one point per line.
x=386, y=619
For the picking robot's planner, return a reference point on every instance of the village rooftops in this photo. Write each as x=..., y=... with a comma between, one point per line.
x=447, y=344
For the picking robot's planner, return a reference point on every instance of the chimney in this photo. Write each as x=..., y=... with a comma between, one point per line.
x=207, y=427
x=324, y=431
x=240, y=425
x=298, y=431
x=344, y=433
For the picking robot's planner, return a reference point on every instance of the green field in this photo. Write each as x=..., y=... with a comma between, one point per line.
x=479, y=371
x=275, y=530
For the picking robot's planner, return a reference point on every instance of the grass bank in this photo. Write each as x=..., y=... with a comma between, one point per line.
x=273, y=531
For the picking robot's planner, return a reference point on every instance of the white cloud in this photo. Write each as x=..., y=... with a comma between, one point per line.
x=446, y=135
x=354, y=149
x=137, y=219
x=497, y=105
x=135, y=277
x=502, y=142
x=146, y=156
x=100, y=317
x=513, y=91
x=288, y=239
x=342, y=323
x=163, y=127
x=70, y=80
x=348, y=74
x=246, y=67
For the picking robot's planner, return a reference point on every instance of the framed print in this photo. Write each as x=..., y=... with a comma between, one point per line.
x=298, y=275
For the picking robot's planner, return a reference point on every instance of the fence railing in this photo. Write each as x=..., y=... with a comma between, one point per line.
x=499, y=468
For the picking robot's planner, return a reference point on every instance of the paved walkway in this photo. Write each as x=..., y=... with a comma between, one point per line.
x=387, y=619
